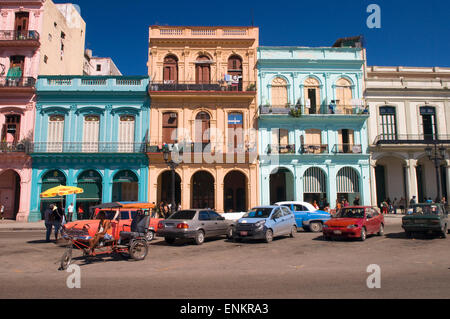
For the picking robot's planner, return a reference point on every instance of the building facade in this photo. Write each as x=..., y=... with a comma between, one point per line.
x=99, y=66
x=312, y=125
x=410, y=112
x=90, y=132
x=30, y=34
x=203, y=103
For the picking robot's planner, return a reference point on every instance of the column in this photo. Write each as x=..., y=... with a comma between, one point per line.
x=411, y=179
x=447, y=169
x=331, y=185
x=219, y=207
x=373, y=183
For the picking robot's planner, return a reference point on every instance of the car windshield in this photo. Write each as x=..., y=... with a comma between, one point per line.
x=183, y=214
x=425, y=210
x=350, y=213
x=258, y=213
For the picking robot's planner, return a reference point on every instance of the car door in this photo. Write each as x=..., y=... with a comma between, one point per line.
x=287, y=221
x=206, y=223
x=220, y=225
x=300, y=213
x=277, y=223
x=371, y=222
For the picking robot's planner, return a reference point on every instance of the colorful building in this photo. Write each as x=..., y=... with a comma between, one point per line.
x=36, y=37
x=410, y=112
x=90, y=132
x=312, y=124
x=203, y=102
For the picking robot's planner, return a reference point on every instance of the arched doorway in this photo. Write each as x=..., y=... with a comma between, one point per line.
x=125, y=186
x=347, y=184
x=281, y=185
x=202, y=190
x=203, y=70
x=91, y=182
x=170, y=69
x=10, y=193
x=52, y=179
x=165, y=188
x=235, y=192
x=315, y=186
x=390, y=179
x=427, y=183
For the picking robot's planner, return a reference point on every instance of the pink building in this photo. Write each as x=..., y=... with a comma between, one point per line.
x=36, y=37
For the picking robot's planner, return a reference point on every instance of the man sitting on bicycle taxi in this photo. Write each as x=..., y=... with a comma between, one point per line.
x=103, y=232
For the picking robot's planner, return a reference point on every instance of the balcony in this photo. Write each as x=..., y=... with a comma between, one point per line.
x=192, y=32
x=220, y=86
x=281, y=149
x=19, y=38
x=349, y=110
x=347, y=148
x=314, y=149
x=83, y=147
x=388, y=139
x=13, y=147
x=13, y=84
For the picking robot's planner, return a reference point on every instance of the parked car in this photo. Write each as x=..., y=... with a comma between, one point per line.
x=125, y=212
x=196, y=224
x=307, y=216
x=354, y=222
x=265, y=222
x=426, y=218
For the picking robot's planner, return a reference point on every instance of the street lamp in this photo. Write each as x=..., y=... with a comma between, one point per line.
x=436, y=154
x=173, y=165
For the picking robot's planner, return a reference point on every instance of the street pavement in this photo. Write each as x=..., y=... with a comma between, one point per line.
x=302, y=267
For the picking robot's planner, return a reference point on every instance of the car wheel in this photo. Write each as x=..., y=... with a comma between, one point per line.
x=138, y=249
x=150, y=235
x=199, y=237
x=363, y=234
x=169, y=240
x=293, y=231
x=444, y=232
x=66, y=259
x=381, y=231
x=268, y=236
x=315, y=227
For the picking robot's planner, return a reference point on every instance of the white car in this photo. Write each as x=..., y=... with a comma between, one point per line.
x=233, y=215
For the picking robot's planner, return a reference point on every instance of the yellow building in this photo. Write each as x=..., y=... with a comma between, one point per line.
x=203, y=102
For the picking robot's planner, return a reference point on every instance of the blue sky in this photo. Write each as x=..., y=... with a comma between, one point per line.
x=412, y=33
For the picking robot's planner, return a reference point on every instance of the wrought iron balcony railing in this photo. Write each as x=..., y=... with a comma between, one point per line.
x=13, y=147
x=347, y=148
x=281, y=149
x=12, y=82
x=13, y=35
x=83, y=147
x=221, y=86
x=314, y=149
x=319, y=110
x=412, y=139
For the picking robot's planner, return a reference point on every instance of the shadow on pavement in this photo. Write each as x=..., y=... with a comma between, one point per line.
x=421, y=236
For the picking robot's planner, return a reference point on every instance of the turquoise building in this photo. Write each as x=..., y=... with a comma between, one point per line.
x=90, y=132
x=312, y=124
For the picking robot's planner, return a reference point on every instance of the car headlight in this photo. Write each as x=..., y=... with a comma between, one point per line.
x=260, y=224
x=352, y=226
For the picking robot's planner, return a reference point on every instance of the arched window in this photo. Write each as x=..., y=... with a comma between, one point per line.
x=169, y=129
x=202, y=125
x=55, y=133
x=126, y=133
x=314, y=184
x=91, y=129
x=203, y=70
x=347, y=184
x=170, y=69
x=344, y=96
x=279, y=92
x=312, y=96
x=235, y=72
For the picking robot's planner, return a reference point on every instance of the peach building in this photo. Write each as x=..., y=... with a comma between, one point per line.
x=36, y=37
x=203, y=104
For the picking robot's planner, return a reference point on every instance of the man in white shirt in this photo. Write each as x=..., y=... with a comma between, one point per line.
x=70, y=212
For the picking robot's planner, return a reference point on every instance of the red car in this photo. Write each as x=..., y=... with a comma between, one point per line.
x=354, y=222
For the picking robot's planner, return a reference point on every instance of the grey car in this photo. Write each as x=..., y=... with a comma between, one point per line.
x=196, y=224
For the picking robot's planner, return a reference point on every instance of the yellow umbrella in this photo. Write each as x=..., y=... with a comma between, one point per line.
x=61, y=191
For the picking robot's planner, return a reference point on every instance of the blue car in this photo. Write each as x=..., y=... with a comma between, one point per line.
x=265, y=222
x=306, y=216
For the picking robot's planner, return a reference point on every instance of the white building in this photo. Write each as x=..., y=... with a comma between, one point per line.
x=98, y=66
x=409, y=112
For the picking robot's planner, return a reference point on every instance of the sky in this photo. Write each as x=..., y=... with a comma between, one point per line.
x=412, y=32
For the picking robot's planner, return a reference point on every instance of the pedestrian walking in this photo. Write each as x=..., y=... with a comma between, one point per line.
x=429, y=200
x=402, y=204
x=80, y=213
x=412, y=201
x=48, y=218
x=2, y=209
x=384, y=207
x=443, y=201
x=57, y=219
x=70, y=212
x=315, y=205
x=356, y=201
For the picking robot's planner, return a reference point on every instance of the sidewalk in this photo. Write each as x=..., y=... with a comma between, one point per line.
x=8, y=225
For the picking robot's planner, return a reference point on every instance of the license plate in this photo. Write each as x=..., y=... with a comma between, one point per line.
x=244, y=233
x=337, y=232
